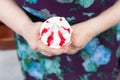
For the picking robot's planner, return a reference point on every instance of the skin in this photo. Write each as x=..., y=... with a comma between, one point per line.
x=18, y=21
x=83, y=32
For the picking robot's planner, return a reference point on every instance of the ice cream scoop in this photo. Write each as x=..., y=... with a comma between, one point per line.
x=55, y=32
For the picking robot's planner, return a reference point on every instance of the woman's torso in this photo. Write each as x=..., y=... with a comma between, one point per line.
x=82, y=65
x=76, y=10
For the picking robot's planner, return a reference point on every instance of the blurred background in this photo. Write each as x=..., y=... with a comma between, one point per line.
x=9, y=64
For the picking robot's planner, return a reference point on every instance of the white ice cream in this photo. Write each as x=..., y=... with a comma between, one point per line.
x=55, y=32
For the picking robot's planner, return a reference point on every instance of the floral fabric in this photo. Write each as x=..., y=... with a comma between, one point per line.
x=97, y=61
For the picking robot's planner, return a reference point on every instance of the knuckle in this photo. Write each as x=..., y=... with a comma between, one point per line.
x=79, y=45
x=34, y=47
x=59, y=53
x=48, y=55
x=56, y=53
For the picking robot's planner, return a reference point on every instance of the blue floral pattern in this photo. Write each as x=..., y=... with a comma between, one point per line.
x=36, y=70
x=97, y=61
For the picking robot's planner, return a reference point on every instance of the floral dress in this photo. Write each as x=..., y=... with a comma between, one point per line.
x=97, y=61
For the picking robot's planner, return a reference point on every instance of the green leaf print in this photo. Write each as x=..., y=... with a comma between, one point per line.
x=25, y=64
x=90, y=14
x=102, y=1
x=85, y=55
x=118, y=52
x=85, y=77
x=52, y=67
x=32, y=1
x=109, y=35
x=85, y=3
x=90, y=66
x=65, y=1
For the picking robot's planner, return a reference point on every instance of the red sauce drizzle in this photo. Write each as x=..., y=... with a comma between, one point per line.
x=60, y=19
x=47, y=21
x=62, y=39
x=68, y=29
x=50, y=39
x=44, y=31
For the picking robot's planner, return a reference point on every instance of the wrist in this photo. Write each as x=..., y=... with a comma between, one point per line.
x=25, y=28
x=92, y=27
x=98, y=25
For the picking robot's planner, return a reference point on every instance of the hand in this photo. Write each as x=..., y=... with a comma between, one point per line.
x=82, y=34
x=31, y=33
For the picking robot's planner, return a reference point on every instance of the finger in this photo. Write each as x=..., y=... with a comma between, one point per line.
x=43, y=49
x=68, y=44
x=54, y=51
x=46, y=54
x=73, y=50
x=66, y=47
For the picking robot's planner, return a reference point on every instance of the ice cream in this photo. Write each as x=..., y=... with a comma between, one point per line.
x=55, y=32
